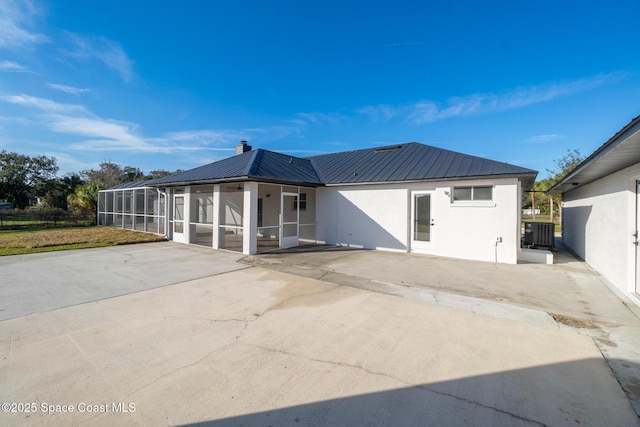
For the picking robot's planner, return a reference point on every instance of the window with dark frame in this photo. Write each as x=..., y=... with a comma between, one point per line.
x=303, y=202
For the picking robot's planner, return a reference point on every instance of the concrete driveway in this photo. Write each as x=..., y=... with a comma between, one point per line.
x=42, y=282
x=256, y=346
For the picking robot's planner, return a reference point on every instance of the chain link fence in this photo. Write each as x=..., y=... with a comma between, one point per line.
x=43, y=218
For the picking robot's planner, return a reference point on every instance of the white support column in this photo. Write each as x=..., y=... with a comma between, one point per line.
x=168, y=213
x=132, y=214
x=146, y=208
x=187, y=214
x=250, y=218
x=216, y=216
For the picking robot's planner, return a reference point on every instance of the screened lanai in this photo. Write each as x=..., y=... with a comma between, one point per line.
x=255, y=201
x=133, y=206
x=248, y=217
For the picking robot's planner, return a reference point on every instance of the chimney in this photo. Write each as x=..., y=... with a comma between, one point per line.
x=243, y=147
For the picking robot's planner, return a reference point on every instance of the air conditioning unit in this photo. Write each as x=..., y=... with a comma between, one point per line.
x=539, y=234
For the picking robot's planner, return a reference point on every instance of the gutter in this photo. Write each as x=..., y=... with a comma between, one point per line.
x=442, y=179
x=611, y=144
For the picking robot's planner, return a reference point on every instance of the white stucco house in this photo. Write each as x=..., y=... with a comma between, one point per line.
x=406, y=198
x=601, y=209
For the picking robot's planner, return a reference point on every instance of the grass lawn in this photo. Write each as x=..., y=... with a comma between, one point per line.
x=28, y=242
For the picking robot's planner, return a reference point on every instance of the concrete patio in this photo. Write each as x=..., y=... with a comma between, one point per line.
x=241, y=344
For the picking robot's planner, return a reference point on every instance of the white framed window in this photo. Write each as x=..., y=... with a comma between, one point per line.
x=472, y=194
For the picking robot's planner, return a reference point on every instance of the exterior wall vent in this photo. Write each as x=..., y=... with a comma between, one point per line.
x=539, y=234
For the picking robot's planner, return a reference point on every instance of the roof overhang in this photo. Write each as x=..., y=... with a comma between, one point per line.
x=526, y=180
x=236, y=179
x=619, y=152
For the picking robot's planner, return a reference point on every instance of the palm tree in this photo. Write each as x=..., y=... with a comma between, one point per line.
x=85, y=198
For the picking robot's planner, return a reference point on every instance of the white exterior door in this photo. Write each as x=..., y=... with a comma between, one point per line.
x=178, y=218
x=422, y=221
x=289, y=220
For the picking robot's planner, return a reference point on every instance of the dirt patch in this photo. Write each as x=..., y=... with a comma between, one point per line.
x=574, y=322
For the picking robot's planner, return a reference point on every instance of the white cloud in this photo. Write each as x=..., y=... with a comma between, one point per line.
x=206, y=137
x=100, y=134
x=11, y=66
x=70, y=162
x=95, y=128
x=317, y=118
x=428, y=111
x=46, y=105
x=541, y=139
x=381, y=112
x=272, y=133
x=67, y=89
x=106, y=51
x=113, y=135
x=16, y=19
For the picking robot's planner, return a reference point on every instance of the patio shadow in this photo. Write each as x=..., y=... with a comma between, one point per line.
x=573, y=393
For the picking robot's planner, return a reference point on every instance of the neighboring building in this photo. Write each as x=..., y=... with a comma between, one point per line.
x=601, y=209
x=406, y=198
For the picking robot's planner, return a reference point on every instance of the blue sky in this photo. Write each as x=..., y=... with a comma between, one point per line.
x=174, y=85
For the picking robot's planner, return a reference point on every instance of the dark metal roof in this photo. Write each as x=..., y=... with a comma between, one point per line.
x=403, y=162
x=411, y=162
x=620, y=151
x=258, y=164
x=268, y=164
x=136, y=184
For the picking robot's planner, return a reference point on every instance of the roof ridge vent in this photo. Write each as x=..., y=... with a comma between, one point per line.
x=387, y=149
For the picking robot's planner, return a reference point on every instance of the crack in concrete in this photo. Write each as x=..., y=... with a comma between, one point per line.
x=206, y=319
x=173, y=371
x=88, y=359
x=401, y=381
x=225, y=346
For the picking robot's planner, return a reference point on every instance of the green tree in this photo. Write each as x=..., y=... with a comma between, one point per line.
x=23, y=178
x=562, y=166
x=132, y=174
x=85, y=197
x=109, y=175
x=56, y=191
x=155, y=174
x=54, y=194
